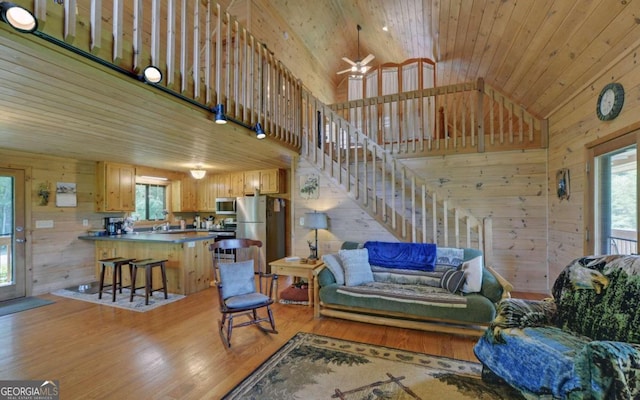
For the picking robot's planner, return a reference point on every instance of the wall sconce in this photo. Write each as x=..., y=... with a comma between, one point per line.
x=259, y=131
x=43, y=193
x=19, y=18
x=219, y=112
x=315, y=221
x=151, y=74
x=198, y=173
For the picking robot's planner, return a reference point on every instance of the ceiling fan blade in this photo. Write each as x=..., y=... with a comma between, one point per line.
x=368, y=59
x=349, y=61
x=343, y=71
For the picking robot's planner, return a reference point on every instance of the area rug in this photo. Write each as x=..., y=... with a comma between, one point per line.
x=122, y=300
x=317, y=367
x=22, y=304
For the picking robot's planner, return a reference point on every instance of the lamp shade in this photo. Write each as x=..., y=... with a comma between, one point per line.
x=315, y=220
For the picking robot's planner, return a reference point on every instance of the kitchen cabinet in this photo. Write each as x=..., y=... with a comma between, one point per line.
x=116, y=187
x=184, y=194
x=270, y=181
x=236, y=185
x=207, y=192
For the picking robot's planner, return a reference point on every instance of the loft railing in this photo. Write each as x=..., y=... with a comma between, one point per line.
x=204, y=53
x=388, y=190
x=467, y=117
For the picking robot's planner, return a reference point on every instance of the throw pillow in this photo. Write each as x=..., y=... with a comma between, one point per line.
x=449, y=256
x=237, y=278
x=356, y=266
x=333, y=263
x=473, y=275
x=452, y=280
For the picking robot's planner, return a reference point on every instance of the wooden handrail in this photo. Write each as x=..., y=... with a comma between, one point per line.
x=465, y=117
x=387, y=189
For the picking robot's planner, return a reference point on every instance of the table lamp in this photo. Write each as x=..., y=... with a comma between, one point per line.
x=315, y=220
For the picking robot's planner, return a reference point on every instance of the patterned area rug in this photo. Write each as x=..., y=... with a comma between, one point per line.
x=318, y=367
x=122, y=300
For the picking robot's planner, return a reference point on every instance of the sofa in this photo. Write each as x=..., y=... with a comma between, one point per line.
x=583, y=343
x=410, y=285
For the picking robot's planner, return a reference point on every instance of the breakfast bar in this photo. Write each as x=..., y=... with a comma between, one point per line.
x=187, y=251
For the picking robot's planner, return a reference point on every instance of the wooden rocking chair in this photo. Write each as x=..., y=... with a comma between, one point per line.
x=237, y=285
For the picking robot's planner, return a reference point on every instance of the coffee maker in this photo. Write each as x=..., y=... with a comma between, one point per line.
x=113, y=225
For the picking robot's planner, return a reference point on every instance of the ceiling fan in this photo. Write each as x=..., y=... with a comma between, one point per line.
x=358, y=67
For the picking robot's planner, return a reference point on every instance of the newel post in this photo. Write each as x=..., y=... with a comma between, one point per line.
x=480, y=114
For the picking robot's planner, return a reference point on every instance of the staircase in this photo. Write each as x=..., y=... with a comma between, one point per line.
x=386, y=189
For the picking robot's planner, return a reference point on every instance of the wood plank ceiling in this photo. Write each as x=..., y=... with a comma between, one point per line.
x=539, y=53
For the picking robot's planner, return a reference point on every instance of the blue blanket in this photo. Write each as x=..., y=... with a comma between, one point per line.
x=415, y=256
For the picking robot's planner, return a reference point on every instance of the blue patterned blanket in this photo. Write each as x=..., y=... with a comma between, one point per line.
x=415, y=256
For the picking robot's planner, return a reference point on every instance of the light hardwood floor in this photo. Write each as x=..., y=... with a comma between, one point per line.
x=173, y=352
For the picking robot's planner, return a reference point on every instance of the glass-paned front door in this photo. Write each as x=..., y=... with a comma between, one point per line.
x=12, y=235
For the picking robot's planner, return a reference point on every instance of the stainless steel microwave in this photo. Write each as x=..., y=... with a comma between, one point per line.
x=225, y=205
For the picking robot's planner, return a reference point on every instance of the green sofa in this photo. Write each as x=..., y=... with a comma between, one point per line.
x=463, y=313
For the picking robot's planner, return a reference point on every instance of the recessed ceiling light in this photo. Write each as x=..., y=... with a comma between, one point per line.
x=385, y=28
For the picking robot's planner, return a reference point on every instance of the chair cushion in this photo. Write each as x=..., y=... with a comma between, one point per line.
x=357, y=269
x=247, y=300
x=237, y=278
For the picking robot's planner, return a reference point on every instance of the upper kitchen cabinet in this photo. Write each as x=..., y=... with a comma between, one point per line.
x=207, y=192
x=269, y=181
x=116, y=187
x=184, y=194
x=236, y=184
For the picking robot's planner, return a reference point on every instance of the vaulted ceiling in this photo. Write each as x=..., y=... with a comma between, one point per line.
x=536, y=52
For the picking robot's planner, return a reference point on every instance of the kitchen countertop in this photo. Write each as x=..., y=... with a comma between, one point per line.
x=171, y=236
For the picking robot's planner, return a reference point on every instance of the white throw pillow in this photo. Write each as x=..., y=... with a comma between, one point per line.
x=356, y=267
x=473, y=275
x=333, y=263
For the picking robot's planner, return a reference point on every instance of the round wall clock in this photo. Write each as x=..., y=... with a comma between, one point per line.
x=610, y=101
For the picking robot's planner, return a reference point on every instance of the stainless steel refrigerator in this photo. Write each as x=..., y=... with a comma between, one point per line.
x=263, y=218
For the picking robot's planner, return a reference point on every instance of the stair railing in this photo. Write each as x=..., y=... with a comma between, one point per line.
x=388, y=190
x=461, y=118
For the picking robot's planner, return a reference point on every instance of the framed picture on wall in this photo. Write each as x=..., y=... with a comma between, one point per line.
x=310, y=186
x=66, y=194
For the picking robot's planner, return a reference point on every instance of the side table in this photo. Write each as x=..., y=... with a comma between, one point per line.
x=296, y=269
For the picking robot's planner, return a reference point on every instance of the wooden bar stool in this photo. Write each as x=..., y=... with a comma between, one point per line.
x=148, y=265
x=116, y=283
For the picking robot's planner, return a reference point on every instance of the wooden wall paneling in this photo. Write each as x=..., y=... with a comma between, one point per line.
x=596, y=17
